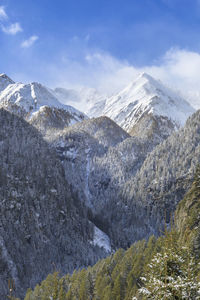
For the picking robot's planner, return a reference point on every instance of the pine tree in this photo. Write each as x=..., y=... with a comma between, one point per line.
x=118, y=289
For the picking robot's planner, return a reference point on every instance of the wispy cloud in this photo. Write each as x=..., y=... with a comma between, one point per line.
x=12, y=29
x=29, y=42
x=3, y=15
x=178, y=69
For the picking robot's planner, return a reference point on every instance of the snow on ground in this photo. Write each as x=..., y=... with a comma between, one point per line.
x=101, y=239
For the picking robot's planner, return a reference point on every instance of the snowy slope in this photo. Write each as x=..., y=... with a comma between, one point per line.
x=101, y=239
x=31, y=98
x=146, y=96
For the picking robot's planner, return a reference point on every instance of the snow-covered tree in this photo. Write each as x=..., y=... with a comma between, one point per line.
x=172, y=274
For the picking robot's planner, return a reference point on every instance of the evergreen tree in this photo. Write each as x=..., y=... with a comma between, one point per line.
x=171, y=274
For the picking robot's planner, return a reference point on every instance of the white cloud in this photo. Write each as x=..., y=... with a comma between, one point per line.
x=12, y=28
x=3, y=15
x=178, y=68
x=29, y=42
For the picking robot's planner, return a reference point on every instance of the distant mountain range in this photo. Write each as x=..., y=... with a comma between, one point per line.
x=144, y=103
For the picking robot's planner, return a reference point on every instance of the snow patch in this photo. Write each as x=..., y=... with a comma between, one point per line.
x=101, y=239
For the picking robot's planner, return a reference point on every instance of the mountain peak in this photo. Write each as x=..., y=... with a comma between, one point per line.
x=3, y=76
x=146, y=96
x=35, y=83
x=4, y=81
x=143, y=81
x=146, y=76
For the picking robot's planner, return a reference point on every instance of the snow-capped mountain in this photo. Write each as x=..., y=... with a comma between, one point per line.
x=30, y=100
x=145, y=97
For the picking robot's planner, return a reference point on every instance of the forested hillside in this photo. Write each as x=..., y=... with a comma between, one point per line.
x=42, y=225
x=58, y=181
x=163, y=268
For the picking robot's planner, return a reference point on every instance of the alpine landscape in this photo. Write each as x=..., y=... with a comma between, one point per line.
x=100, y=150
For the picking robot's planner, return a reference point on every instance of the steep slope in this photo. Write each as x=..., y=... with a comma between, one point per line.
x=163, y=179
x=99, y=158
x=78, y=147
x=33, y=101
x=146, y=108
x=4, y=81
x=42, y=226
x=187, y=215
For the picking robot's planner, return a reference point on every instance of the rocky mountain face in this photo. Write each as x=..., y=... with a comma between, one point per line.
x=43, y=226
x=4, y=81
x=146, y=108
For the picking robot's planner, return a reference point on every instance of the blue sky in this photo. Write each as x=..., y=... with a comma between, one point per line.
x=67, y=42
